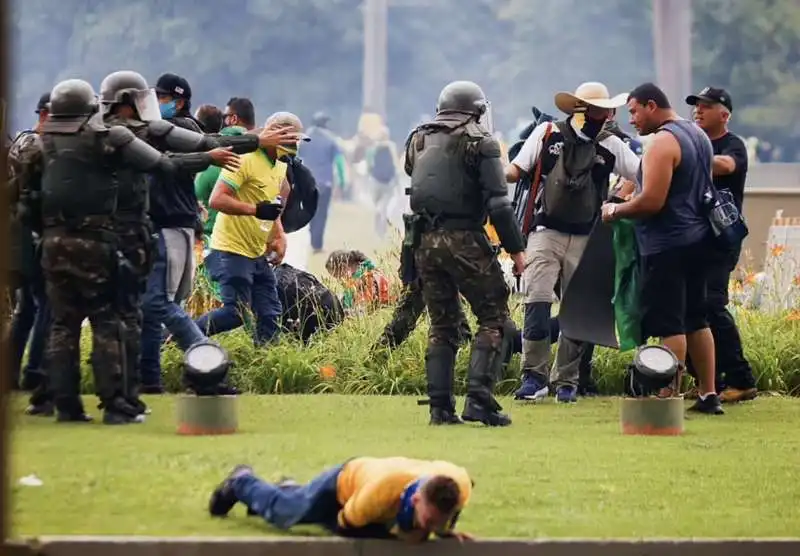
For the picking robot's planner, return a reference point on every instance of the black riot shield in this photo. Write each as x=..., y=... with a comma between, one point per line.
x=586, y=312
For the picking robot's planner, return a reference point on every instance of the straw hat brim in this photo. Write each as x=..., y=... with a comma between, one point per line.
x=567, y=102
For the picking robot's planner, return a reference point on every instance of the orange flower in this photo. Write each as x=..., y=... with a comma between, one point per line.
x=777, y=250
x=796, y=280
x=328, y=372
x=750, y=278
x=794, y=315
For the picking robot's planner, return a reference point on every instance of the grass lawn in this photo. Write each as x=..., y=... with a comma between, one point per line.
x=557, y=472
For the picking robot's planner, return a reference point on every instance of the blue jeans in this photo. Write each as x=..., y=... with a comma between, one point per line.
x=313, y=503
x=317, y=225
x=157, y=309
x=243, y=283
x=32, y=321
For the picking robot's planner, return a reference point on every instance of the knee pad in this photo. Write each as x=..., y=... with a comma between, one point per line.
x=537, y=321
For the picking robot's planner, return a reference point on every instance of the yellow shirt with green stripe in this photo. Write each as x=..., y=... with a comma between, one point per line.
x=257, y=179
x=370, y=489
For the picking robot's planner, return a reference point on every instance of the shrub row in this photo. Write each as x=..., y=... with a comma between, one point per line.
x=341, y=361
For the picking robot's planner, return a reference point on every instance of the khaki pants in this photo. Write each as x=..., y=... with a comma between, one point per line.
x=550, y=255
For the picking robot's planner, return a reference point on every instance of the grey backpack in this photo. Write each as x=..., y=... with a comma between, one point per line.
x=570, y=194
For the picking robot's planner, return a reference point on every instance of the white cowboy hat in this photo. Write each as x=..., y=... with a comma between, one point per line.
x=590, y=93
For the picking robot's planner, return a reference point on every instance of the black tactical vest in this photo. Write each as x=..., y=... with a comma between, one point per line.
x=133, y=195
x=444, y=181
x=79, y=183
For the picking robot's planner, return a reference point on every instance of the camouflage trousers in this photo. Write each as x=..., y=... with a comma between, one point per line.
x=81, y=283
x=136, y=245
x=450, y=263
x=406, y=314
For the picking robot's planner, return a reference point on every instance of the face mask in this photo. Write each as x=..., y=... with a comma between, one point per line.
x=168, y=109
x=592, y=127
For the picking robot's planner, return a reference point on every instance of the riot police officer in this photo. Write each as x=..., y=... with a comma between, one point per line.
x=128, y=101
x=456, y=182
x=81, y=255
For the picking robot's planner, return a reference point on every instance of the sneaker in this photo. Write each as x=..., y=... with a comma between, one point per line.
x=223, y=499
x=710, y=405
x=43, y=409
x=735, y=395
x=567, y=394
x=532, y=389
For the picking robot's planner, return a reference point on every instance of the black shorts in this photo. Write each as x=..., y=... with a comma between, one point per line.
x=673, y=294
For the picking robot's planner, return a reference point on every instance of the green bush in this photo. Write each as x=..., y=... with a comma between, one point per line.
x=770, y=341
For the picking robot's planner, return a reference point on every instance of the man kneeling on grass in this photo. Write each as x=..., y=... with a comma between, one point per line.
x=365, y=497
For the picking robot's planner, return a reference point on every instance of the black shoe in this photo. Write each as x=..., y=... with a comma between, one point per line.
x=223, y=499
x=139, y=406
x=120, y=411
x=477, y=413
x=710, y=405
x=43, y=409
x=73, y=417
x=70, y=410
x=441, y=416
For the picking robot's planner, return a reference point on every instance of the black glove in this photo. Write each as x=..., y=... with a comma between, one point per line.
x=268, y=211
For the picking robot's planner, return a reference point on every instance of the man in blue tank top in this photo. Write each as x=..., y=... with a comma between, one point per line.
x=673, y=234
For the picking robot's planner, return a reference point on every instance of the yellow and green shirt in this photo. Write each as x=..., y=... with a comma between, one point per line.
x=257, y=179
x=370, y=489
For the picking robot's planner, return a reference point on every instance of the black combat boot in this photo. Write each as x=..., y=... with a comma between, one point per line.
x=439, y=367
x=481, y=406
x=69, y=409
x=119, y=411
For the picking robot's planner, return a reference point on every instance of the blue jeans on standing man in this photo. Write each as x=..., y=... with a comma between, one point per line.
x=158, y=309
x=244, y=283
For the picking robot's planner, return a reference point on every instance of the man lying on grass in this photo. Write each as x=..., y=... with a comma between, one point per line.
x=365, y=497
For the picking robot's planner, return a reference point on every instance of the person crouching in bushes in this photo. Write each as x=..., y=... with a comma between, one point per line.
x=366, y=287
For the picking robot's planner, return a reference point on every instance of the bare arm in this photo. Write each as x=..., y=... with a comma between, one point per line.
x=658, y=165
x=724, y=165
x=528, y=154
x=286, y=189
x=224, y=199
x=276, y=231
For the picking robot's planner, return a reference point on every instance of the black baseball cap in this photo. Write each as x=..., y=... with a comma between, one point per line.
x=174, y=85
x=712, y=95
x=43, y=103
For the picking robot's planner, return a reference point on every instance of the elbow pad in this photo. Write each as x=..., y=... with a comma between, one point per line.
x=505, y=223
x=187, y=163
x=242, y=144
